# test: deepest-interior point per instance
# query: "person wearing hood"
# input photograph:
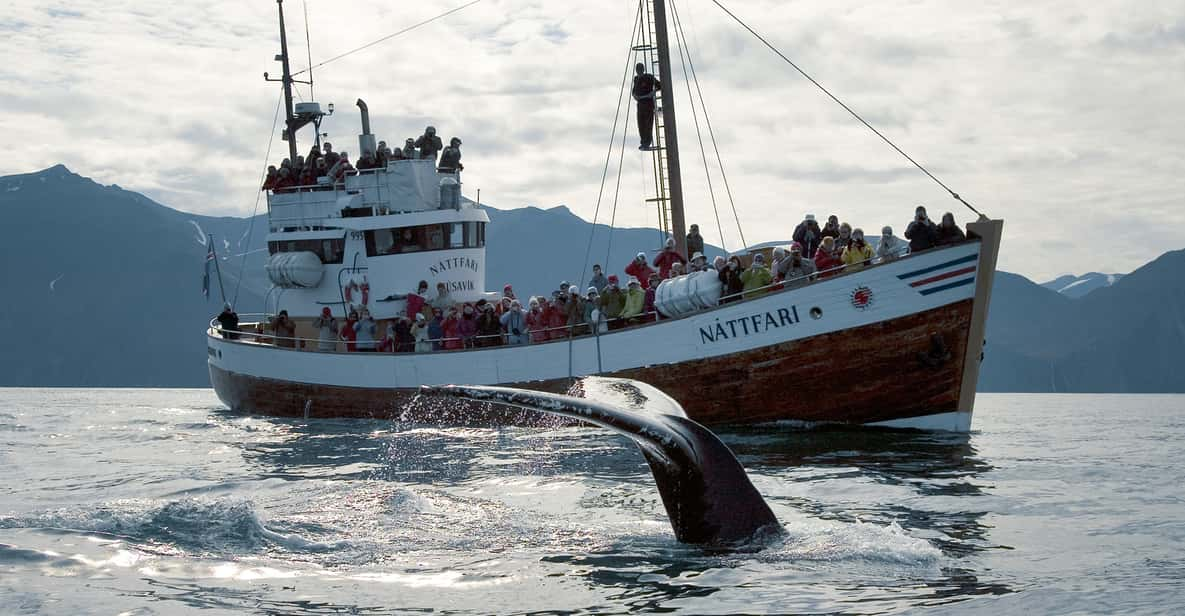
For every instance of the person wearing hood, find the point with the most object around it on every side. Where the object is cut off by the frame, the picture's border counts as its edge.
(921, 232)
(757, 278)
(450, 158)
(451, 330)
(796, 269)
(949, 231)
(273, 175)
(598, 280)
(776, 263)
(489, 328)
(831, 229)
(695, 241)
(665, 260)
(809, 235)
(468, 325)
(514, 321)
(409, 149)
(827, 261)
(612, 303)
(536, 321)
(429, 144)
(418, 332)
(644, 91)
(389, 342)
(635, 301)
(436, 330)
(228, 322)
(719, 264)
(557, 316)
(730, 280)
(326, 327)
(638, 268)
(890, 247)
(365, 330)
(591, 306)
(858, 253)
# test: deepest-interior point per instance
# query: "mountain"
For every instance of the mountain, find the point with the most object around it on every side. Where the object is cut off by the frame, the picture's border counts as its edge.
(108, 294)
(102, 285)
(1126, 337)
(1079, 286)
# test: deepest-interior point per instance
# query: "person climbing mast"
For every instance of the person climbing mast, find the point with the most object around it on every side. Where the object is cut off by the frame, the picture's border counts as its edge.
(645, 88)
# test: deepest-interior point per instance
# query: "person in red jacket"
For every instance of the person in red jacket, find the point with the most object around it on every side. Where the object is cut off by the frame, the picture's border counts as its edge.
(640, 270)
(537, 322)
(557, 317)
(452, 330)
(665, 259)
(826, 258)
(348, 334)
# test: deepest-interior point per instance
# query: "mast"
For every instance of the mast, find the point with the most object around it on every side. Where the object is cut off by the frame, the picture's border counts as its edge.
(289, 119)
(678, 224)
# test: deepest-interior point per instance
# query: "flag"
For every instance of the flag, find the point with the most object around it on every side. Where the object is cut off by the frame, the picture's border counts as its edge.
(206, 276)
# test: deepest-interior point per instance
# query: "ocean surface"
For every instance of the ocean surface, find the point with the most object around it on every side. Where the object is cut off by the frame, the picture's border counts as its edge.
(163, 502)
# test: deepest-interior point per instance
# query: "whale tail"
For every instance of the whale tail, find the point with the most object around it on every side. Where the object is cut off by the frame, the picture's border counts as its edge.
(705, 490)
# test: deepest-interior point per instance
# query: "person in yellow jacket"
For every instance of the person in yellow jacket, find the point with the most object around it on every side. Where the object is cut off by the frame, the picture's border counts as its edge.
(635, 300)
(757, 278)
(858, 254)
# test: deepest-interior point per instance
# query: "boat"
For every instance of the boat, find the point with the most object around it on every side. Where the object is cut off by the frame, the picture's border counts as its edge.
(894, 344)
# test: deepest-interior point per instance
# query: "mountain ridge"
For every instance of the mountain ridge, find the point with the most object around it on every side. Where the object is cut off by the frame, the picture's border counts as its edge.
(108, 282)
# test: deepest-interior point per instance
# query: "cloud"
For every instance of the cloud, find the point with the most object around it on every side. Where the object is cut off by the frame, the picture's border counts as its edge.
(1061, 118)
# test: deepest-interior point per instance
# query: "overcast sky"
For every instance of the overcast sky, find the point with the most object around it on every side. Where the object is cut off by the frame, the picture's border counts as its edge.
(1063, 118)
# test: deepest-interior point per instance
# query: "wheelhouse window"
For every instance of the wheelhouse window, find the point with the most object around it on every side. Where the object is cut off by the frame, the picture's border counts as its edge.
(330, 250)
(402, 240)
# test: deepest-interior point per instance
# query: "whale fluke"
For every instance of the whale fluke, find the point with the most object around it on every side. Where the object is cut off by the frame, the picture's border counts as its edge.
(708, 497)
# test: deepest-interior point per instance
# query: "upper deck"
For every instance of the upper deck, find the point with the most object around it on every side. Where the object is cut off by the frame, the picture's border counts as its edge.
(402, 186)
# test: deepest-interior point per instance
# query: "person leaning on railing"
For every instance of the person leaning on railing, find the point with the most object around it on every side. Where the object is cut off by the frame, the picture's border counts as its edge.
(858, 254)
(284, 330)
(731, 284)
(612, 303)
(327, 328)
(514, 321)
(228, 321)
(755, 279)
(827, 260)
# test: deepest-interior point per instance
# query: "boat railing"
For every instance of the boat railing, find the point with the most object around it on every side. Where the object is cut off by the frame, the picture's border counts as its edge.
(256, 333)
(538, 336)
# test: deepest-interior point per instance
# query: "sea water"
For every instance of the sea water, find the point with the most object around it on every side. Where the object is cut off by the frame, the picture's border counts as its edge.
(163, 502)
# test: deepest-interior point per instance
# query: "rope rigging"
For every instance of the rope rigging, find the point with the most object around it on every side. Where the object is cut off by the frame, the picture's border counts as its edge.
(386, 38)
(708, 121)
(846, 108)
(684, 55)
(263, 176)
(609, 155)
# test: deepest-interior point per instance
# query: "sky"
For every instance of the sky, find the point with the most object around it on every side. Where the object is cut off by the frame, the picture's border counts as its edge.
(1061, 117)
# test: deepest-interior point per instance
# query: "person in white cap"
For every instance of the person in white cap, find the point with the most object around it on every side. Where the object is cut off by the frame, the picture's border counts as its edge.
(890, 247)
(809, 235)
(638, 268)
(419, 331)
(665, 259)
(698, 263)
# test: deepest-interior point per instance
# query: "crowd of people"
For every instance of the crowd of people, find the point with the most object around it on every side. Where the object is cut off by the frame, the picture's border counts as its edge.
(306, 172)
(434, 322)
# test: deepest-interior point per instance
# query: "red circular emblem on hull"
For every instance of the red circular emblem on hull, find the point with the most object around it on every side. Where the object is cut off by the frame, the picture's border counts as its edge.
(862, 297)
